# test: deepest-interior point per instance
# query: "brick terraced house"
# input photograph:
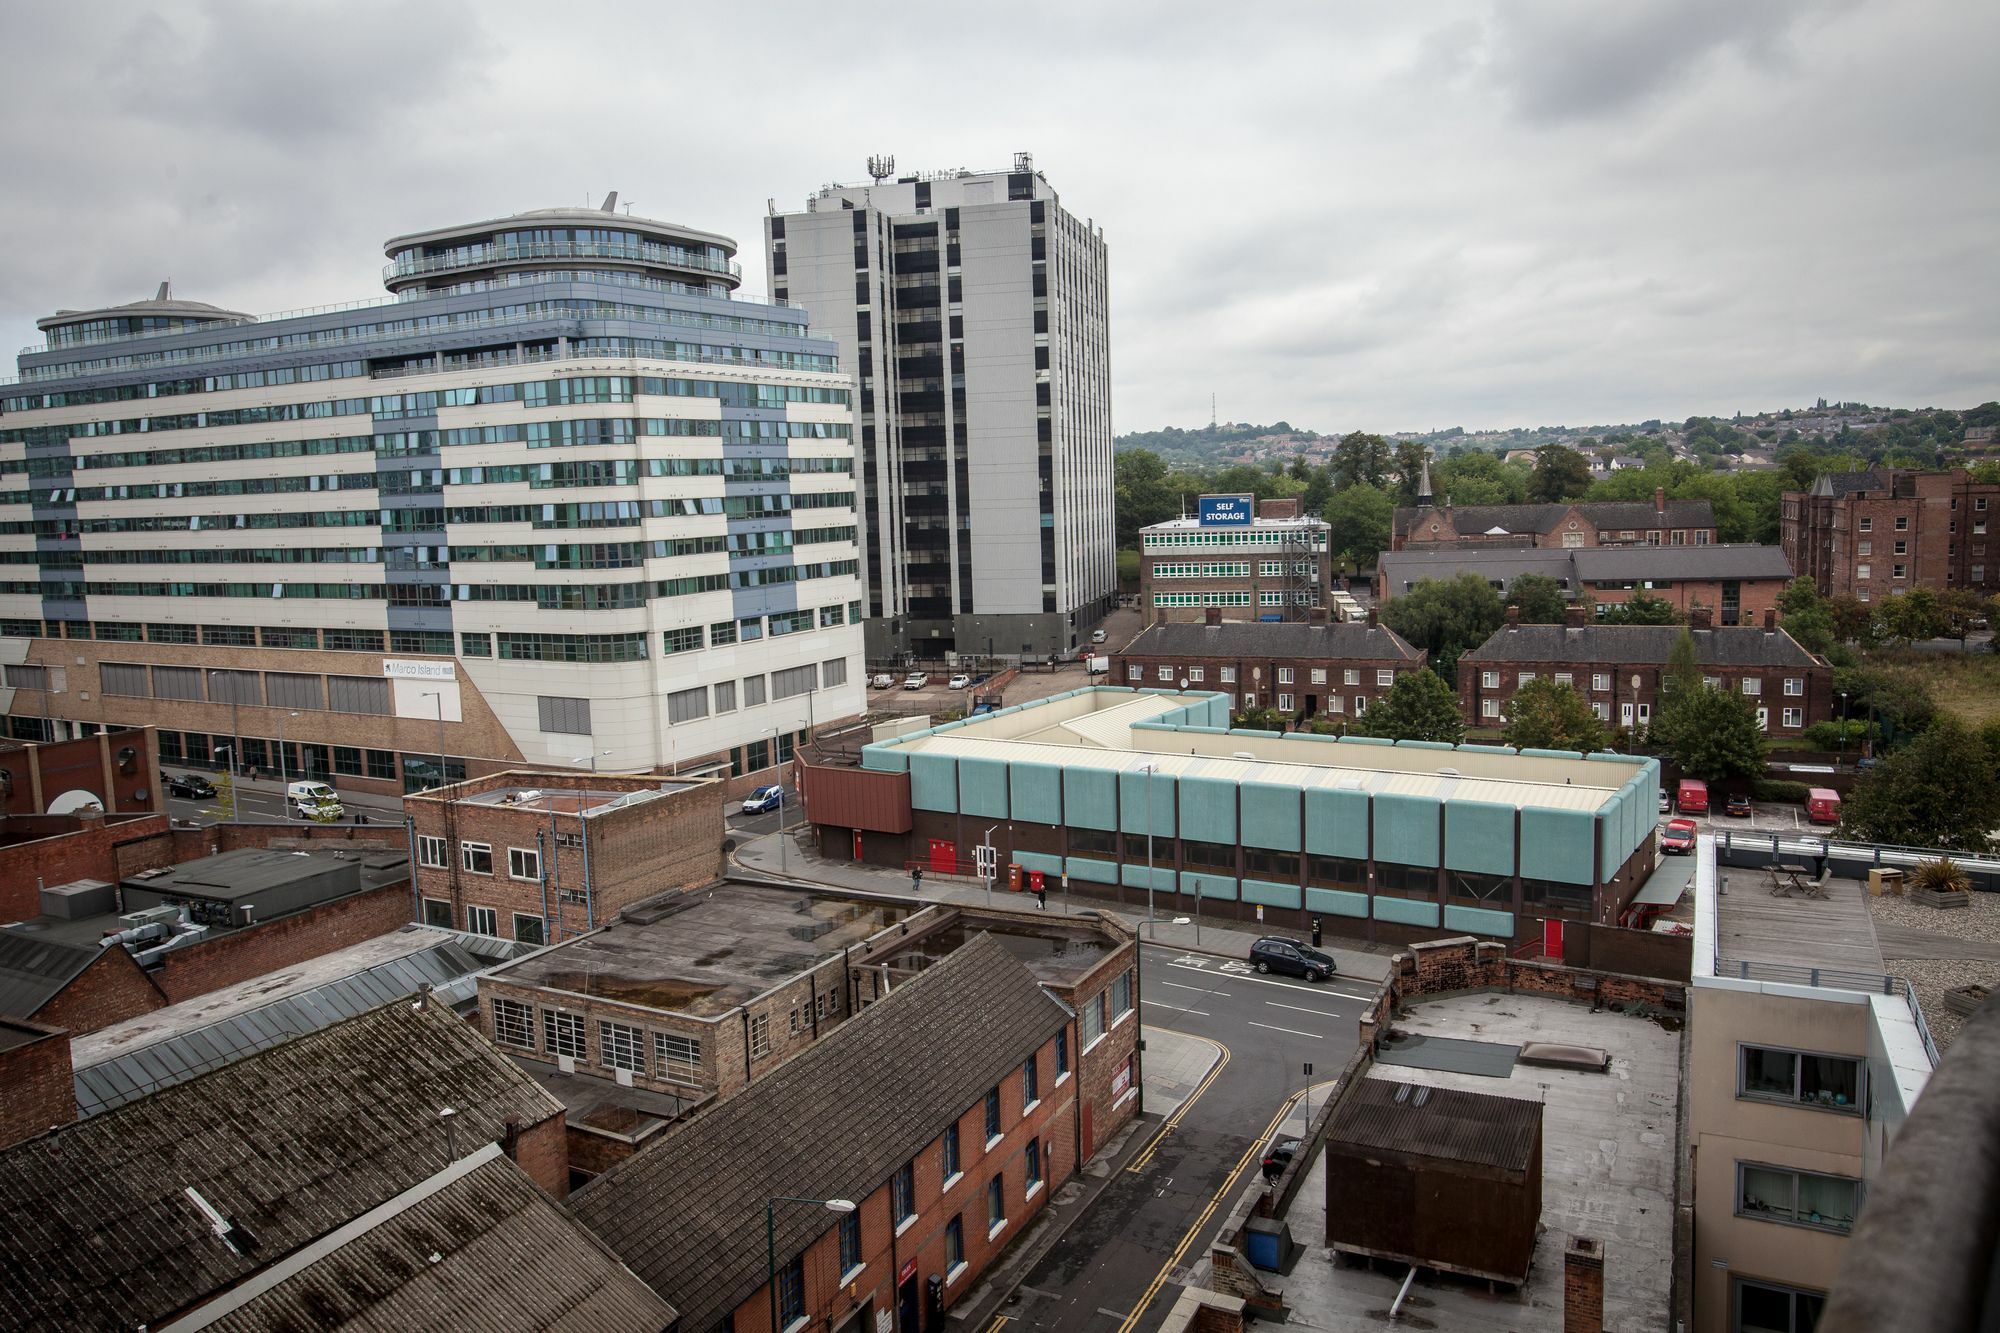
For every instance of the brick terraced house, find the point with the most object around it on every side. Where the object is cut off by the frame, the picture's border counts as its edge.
(1317, 669)
(1663, 522)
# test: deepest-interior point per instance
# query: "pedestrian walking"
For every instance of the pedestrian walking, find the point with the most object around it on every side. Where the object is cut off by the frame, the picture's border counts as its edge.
(1041, 896)
(916, 879)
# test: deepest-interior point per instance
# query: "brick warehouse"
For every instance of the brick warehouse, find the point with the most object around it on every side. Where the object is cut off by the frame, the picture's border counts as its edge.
(1317, 669)
(1664, 522)
(549, 855)
(687, 1001)
(948, 1114)
(1122, 790)
(1869, 534)
(1619, 669)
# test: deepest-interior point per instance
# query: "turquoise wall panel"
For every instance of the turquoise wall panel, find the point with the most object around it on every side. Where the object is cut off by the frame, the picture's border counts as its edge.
(1209, 886)
(1406, 829)
(1556, 845)
(1095, 872)
(1480, 921)
(1050, 866)
(1364, 740)
(1146, 798)
(1423, 745)
(982, 788)
(1136, 876)
(1406, 911)
(1479, 837)
(885, 758)
(1269, 894)
(1337, 902)
(1208, 809)
(1611, 825)
(1090, 798)
(933, 782)
(1551, 754)
(1036, 791)
(1488, 749)
(1271, 816)
(1337, 822)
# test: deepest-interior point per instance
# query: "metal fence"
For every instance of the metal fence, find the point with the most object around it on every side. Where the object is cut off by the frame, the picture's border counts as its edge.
(1847, 860)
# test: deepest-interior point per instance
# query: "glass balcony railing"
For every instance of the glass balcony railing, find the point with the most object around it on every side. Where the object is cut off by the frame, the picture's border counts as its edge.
(479, 256)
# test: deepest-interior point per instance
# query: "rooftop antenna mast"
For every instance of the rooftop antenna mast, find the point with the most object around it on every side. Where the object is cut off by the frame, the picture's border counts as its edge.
(882, 166)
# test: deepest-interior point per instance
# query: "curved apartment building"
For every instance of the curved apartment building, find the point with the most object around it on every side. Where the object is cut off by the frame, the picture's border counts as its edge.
(560, 499)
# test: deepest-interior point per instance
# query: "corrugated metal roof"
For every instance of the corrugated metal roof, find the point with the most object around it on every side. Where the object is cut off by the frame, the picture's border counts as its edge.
(174, 1059)
(33, 971)
(1420, 1120)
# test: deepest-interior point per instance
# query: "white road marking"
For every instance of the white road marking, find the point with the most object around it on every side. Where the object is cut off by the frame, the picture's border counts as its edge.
(1181, 985)
(1323, 1013)
(1294, 1031)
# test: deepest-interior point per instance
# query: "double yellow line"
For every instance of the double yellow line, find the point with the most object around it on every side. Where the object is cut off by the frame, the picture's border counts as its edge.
(1138, 1163)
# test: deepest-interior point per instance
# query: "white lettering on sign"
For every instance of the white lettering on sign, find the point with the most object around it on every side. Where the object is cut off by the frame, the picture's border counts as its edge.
(404, 668)
(884, 1321)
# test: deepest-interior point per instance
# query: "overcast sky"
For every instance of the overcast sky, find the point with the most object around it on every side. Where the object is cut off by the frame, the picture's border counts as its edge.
(1350, 216)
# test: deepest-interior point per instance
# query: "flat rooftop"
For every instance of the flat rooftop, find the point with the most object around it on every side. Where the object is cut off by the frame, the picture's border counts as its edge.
(708, 952)
(250, 871)
(1054, 952)
(1753, 926)
(573, 800)
(1121, 730)
(1608, 1144)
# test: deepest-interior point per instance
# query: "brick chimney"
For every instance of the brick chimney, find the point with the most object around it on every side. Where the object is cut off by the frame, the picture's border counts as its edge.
(1770, 621)
(35, 1070)
(1513, 617)
(1278, 508)
(1316, 615)
(1373, 616)
(1660, 500)
(1576, 615)
(1583, 1286)
(1159, 616)
(1701, 617)
(1211, 615)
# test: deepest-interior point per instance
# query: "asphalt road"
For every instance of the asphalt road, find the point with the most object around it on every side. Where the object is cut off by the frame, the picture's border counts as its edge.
(1118, 1268)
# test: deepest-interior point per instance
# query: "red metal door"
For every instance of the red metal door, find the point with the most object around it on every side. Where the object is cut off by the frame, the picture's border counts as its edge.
(944, 856)
(1552, 939)
(857, 844)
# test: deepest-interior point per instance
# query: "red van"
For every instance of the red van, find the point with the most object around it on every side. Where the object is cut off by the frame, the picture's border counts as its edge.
(1692, 798)
(1823, 805)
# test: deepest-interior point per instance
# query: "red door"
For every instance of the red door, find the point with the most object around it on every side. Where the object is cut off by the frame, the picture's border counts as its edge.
(857, 844)
(944, 856)
(1089, 1140)
(1552, 939)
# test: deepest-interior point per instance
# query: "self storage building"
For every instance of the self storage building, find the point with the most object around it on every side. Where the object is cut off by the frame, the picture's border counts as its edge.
(1122, 790)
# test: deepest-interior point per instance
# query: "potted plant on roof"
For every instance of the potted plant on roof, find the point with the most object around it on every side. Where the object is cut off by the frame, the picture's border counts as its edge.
(1941, 883)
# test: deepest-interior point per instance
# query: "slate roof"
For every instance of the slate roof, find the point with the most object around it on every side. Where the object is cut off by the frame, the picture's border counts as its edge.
(1641, 645)
(1416, 1120)
(1402, 570)
(1273, 639)
(1840, 484)
(506, 1258)
(96, 1230)
(34, 971)
(833, 1122)
(1473, 520)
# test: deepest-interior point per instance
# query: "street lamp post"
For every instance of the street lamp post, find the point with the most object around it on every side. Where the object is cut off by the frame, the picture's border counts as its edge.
(1840, 746)
(284, 767)
(439, 696)
(235, 730)
(842, 1206)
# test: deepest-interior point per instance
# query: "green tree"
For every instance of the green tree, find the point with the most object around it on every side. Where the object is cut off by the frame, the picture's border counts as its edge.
(1358, 520)
(1897, 702)
(1260, 719)
(1641, 608)
(1418, 707)
(1906, 617)
(1361, 458)
(1806, 616)
(1539, 597)
(1545, 715)
(1561, 473)
(1477, 477)
(1853, 619)
(1958, 609)
(1142, 493)
(1939, 791)
(1711, 734)
(1446, 617)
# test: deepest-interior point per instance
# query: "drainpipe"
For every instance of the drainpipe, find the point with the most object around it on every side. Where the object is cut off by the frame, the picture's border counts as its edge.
(410, 836)
(555, 874)
(746, 1043)
(589, 907)
(542, 860)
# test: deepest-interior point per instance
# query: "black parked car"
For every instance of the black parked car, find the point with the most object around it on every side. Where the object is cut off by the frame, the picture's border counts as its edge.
(1274, 953)
(187, 785)
(1279, 1156)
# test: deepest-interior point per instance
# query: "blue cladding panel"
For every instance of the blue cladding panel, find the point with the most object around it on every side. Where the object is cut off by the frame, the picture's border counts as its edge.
(1209, 886)
(1551, 754)
(933, 782)
(1271, 816)
(1135, 876)
(982, 788)
(1612, 819)
(1488, 749)
(1364, 740)
(1406, 829)
(1555, 845)
(1424, 745)
(1036, 790)
(1269, 894)
(1144, 797)
(1480, 921)
(1406, 911)
(1338, 902)
(1050, 866)
(1337, 823)
(1095, 872)
(1208, 809)
(885, 758)
(1090, 798)
(1479, 837)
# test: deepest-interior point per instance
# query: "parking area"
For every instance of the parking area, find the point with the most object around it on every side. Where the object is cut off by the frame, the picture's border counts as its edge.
(1765, 817)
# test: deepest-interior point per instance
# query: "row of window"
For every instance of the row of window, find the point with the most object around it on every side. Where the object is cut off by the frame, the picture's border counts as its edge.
(1791, 718)
(1167, 672)
(693, 704)
(1181, 540)
(1201, 599)
(1227, 569)
(1600, 682)
(243, 379)
(671, 1057)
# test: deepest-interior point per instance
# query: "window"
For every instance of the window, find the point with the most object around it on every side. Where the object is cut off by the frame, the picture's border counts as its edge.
(948, 1149)
(528, 929)
(437, 912)
(1900, 572)
(1034, 1157)
(1489, 680)
(1118, 998)
(1164, 673)
(1489, 708)
(1752, 685)
(1195, 675)
(1765, 1307)
(1902, 522)
(1867, 525)
(1090, 1019)
(678, 1058)
(430, 851)
(992, 1114)
(524, 863)
(1600, 680)
(1284, 675)
(564, 717)
(687, 639)
(1133, 671)
(475, 645)
(687, 705)
(996, 1204)
(1285, 703)
(1385, 676)
(1861, 571)
(1319, 675)
(476, 857)
(954, 1248)
(792, 682)
(1351, 676)
(725, 696)
(1526, 677)
(1228, 676)
(760, 1035)
(850, 1244)
(832, 673)
(1800, 1198)
(1794, 687)
(1031, 1088)
(1602, 710)
(621, 1046)
(562, 1034)
(1062, 1055)
(1903, 547)
(1565, 678)
(482, 920)
(1795, 717)
(792, 1293)
(903, 1194)
(514, 1023)
(1868, 548)
(1824, 1082)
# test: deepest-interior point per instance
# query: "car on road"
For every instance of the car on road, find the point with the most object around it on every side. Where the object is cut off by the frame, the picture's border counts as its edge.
(1678, 837)
(1279, 1156)
(763, 799)
(1274, 953)
(960, 682)
(313, 800)
(883, 680)
(189, 786)
(1737, 806)
(1097, 636)
(916, 680)
(1666, 803)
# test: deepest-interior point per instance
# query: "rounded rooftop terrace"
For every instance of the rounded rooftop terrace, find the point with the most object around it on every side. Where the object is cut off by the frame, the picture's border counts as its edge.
(136, 319)
(561, 240)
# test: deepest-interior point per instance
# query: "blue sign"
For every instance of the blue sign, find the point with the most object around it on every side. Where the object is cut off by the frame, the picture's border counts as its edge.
(1227, 511)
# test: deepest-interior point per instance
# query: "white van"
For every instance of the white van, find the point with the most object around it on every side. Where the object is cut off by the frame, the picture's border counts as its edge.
(312, 800)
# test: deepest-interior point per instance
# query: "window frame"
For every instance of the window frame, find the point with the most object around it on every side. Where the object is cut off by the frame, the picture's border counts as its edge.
(533, 857)
(433, 852)
(1797, 1099)
(1789, 1216)
(476, 914)
(510, 1015)
(469, 852)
